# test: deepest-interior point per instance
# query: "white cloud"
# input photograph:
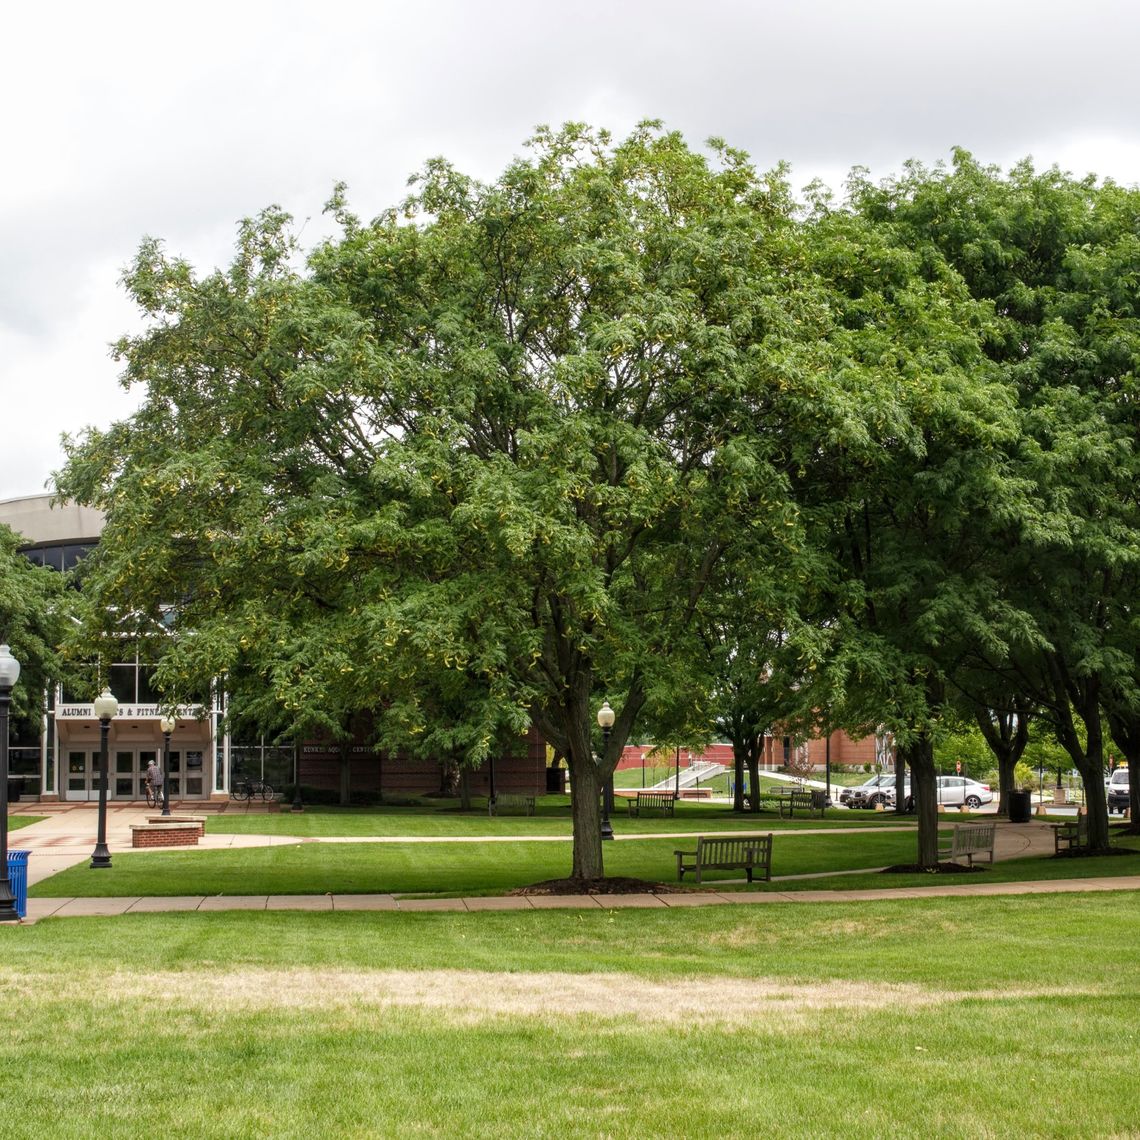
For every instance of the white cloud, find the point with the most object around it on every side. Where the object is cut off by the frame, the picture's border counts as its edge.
(128, 118)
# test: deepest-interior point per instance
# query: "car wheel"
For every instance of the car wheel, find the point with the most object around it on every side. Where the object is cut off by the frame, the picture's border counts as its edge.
(875, 800)
(973, 802)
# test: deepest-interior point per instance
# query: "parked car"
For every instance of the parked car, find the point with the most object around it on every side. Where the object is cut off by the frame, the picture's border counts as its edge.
(848, 796)
(1118, 790)
(877, 790)
(958, 790)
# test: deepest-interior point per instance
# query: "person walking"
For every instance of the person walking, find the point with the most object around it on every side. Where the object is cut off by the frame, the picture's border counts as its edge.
(154, 782)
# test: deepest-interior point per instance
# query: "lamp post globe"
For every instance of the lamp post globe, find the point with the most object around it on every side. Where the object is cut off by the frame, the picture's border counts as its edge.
(605, 723)
(167, 726)
(106, 708)
(9, 675)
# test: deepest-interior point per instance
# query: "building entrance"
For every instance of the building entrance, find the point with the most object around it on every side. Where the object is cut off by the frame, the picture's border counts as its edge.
(82, 775)
(126, 776)
(128, 773)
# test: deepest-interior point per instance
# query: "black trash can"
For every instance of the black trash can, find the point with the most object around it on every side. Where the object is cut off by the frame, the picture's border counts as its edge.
(1020, 807)
(556, 780)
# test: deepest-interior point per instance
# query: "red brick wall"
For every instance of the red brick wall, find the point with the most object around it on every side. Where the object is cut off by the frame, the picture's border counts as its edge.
(393, 774)
(166, 836)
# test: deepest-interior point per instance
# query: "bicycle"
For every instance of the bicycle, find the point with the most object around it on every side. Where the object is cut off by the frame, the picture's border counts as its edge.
(153, 795)
(247, 789)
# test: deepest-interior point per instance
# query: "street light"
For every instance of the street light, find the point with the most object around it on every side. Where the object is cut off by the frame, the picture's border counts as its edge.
(9, 675)
(106, 707)
(167, 726)
(605, 723)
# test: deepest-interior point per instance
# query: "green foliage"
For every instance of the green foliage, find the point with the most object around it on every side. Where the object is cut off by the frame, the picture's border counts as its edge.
(34, 606)
(622, 424)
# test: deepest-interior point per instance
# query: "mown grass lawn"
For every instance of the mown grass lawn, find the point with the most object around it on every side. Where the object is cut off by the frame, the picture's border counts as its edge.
(439, 867)
(552, 818)
(15, 822)
(951, 1017)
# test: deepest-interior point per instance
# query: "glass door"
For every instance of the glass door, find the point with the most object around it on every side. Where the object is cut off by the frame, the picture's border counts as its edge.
(82, 775)
(128, 773)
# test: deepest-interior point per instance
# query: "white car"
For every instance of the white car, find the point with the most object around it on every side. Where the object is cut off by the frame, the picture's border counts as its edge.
(1117, 787)
(958, 790)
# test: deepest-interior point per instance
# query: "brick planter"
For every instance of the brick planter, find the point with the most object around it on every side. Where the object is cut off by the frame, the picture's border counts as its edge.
(198, 821)
(165, 834)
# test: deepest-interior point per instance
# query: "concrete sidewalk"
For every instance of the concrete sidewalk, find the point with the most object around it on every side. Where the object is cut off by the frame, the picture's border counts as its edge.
(78, 907)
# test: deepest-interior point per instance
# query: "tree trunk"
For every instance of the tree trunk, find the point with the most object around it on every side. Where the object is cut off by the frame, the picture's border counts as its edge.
(571, 726)
(1007, 734)
(465, 788)
(739, 748)
(1083, 696)
(755, 746)
(587, 778)
(919, 757)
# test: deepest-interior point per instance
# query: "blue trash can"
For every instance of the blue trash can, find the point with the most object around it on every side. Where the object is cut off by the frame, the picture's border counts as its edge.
(18, 879)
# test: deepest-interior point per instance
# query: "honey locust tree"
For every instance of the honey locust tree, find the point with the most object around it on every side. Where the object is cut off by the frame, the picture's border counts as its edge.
(901, 501)
(490, 446)
(1057, 260)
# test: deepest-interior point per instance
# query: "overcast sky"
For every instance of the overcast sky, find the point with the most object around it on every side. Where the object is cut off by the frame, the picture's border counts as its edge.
(124, 119)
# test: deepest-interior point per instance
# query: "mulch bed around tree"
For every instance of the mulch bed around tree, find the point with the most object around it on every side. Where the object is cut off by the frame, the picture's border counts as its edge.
(613, 886)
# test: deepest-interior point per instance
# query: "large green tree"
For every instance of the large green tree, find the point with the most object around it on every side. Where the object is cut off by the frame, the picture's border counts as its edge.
(1057, 260)
(504, 434)
(917, 427)
(34, 605)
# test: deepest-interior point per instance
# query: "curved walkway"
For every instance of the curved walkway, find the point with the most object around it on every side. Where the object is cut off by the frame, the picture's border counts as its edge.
(67, 836)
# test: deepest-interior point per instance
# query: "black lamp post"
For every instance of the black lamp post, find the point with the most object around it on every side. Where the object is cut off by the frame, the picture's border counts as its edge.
(9, 675)
(167, 726)
(105, 709)
(605, 723)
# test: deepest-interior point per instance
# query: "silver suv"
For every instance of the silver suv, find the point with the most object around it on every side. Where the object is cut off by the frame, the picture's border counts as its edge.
(878, 790)
(1117, 788)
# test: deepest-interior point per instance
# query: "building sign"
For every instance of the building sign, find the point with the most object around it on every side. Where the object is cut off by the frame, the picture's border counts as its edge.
(333, 751)
(127, 712)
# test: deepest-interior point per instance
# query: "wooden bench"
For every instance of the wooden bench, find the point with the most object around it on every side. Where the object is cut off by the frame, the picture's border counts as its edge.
(746, 852)
(525, 804)
(969, 839)
(805, 799)
(1073, 833)
(662, 800)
